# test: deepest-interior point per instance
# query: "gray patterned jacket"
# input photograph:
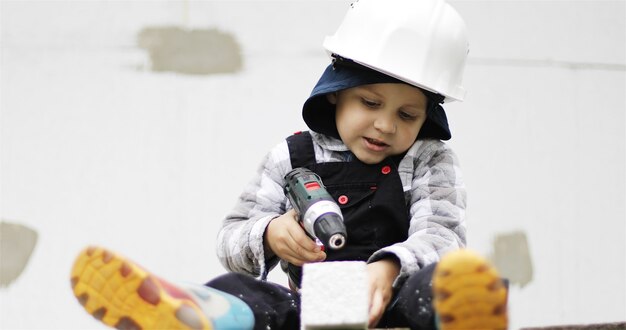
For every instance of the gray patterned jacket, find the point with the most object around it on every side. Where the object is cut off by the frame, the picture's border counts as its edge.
(434, 193)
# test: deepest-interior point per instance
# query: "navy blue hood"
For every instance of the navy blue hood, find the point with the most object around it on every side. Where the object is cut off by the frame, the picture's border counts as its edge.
(319, 114)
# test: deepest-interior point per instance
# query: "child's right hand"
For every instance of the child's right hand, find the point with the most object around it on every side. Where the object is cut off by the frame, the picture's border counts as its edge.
(288, 240)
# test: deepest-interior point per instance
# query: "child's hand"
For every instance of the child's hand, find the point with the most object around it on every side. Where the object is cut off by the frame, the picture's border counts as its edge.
(381, 275)
(288, 240)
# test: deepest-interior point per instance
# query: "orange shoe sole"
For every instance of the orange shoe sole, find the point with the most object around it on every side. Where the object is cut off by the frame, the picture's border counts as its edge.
(123, 295)
(469, 293)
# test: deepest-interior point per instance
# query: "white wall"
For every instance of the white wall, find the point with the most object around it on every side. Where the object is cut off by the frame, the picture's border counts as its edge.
(541, 137)
(95, 149)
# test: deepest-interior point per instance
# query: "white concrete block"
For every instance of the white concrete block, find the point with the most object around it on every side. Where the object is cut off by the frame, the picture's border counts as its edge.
(334, 295)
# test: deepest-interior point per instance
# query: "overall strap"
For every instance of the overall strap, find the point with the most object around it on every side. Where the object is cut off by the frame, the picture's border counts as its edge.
(301, 151)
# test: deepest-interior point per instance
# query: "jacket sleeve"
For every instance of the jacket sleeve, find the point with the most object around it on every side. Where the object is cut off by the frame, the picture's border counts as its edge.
(240, 240)
(437, 201)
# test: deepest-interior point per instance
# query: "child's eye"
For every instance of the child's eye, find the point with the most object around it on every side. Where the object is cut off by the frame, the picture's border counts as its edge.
(407, 116)
(369, 103)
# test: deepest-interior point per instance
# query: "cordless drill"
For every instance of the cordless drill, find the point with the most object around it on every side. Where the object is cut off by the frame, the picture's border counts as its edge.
(317, 211)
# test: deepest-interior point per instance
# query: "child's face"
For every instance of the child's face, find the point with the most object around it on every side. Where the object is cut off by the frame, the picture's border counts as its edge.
(379, 120)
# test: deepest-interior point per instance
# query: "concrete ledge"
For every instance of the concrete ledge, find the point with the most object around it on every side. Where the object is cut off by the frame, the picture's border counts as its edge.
(599, 326)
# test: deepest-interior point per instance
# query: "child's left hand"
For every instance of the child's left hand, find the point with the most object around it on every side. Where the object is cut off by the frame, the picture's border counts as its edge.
(381, 275)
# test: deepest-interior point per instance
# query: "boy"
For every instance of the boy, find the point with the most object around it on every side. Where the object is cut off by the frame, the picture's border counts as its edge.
(376, 126)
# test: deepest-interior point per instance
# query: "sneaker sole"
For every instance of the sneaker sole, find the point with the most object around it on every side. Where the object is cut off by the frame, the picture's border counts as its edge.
(469, 293)
(119, 293)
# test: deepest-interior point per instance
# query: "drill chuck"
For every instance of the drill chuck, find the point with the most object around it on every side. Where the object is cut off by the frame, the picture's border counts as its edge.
(327, 224)
(337, 241)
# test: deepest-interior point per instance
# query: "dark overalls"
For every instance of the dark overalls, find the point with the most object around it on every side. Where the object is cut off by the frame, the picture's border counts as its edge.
(375, 213)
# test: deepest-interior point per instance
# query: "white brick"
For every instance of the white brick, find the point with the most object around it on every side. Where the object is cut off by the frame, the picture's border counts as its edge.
(334, 295)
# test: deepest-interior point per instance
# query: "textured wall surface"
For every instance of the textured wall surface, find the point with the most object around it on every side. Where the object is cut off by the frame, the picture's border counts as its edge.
(98, 149)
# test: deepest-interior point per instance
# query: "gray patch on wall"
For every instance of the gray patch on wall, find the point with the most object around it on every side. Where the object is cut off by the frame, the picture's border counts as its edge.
(196, 51)
(511, 257)
(17, 243)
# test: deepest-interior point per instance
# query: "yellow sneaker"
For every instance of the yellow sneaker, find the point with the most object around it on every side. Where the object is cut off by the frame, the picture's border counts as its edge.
(121, 294)
(469, 293)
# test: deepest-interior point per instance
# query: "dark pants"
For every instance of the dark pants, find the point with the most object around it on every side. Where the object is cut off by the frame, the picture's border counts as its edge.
(276, 307)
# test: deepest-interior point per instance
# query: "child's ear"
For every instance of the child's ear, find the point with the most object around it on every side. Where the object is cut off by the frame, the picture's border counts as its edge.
(332, 98)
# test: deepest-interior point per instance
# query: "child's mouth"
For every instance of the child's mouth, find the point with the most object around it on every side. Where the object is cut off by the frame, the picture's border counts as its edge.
(375, 145)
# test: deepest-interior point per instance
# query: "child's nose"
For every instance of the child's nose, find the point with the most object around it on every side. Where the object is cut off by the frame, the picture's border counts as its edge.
(385, 125)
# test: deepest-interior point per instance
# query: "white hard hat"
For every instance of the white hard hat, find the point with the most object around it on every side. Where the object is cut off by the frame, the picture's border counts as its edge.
(421, 42)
